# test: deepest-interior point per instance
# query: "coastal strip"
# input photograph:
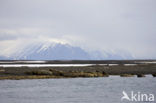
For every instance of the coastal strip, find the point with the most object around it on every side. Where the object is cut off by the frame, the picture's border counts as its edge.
(129, 70)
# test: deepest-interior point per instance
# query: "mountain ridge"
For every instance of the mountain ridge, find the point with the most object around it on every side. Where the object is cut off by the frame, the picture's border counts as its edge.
(59, 51)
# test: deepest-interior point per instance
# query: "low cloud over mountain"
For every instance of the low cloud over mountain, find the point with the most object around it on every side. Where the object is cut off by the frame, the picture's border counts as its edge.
(58, 51)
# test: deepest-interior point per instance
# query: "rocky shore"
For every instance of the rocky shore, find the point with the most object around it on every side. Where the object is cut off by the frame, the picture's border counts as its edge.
(140, 70)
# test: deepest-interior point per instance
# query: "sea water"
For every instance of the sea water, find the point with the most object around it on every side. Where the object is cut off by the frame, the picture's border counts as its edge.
(75, 90)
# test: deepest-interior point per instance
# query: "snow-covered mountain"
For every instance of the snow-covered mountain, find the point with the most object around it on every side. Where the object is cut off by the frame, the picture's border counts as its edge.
(58, 51)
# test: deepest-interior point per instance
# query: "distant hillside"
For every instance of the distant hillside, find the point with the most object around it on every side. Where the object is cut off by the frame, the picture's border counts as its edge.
(57, 51)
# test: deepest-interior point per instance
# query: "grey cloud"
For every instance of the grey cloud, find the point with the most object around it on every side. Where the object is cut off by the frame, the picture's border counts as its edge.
(101, 24)
(7, 37)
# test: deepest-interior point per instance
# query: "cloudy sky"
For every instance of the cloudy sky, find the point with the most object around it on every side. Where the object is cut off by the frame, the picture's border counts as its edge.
(103, 25)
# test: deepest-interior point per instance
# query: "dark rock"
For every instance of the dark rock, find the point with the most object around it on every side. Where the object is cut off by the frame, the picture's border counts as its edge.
(39, 72)
(154, 75)
(140, 75)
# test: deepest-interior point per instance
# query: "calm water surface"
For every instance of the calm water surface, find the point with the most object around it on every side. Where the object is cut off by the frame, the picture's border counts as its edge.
(74, 90)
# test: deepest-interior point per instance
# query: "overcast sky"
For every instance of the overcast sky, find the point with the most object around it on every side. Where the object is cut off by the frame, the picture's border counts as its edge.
(103, 25)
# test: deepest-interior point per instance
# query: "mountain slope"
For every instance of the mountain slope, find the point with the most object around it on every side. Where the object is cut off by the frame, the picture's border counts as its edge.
(58, 51)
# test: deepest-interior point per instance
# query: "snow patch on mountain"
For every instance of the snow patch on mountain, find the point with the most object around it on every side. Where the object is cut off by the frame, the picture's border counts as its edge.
(59, 51)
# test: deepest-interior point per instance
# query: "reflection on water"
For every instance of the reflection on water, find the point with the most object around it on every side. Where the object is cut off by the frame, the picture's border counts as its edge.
(73, 90)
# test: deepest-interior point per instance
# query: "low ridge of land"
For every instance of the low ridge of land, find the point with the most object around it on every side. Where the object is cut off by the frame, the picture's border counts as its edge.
(127, 68)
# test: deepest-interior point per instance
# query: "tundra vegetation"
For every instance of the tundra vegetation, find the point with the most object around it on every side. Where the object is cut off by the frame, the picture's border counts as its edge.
(139, 70)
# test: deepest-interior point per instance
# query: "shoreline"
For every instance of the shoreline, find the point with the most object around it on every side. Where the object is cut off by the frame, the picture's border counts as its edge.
(59, 77)
(140, 70)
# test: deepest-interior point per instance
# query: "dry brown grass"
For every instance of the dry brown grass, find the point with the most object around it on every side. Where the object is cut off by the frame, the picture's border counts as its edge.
(28, 77)
(127, 75)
